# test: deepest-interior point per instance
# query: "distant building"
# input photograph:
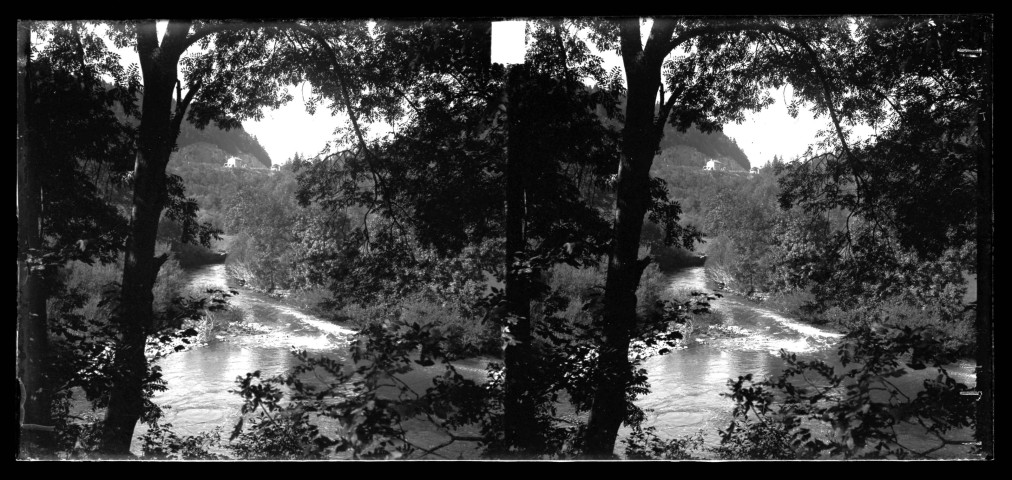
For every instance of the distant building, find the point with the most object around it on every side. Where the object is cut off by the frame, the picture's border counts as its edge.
(715, 165)
(244, 160)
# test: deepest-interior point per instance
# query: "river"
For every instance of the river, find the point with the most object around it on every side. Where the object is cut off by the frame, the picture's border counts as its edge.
(686, 384)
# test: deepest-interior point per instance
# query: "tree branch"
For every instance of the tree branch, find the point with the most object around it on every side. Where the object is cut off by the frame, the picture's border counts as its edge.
(662, 117)
(209, 29)
(181, 106)
(346, 98)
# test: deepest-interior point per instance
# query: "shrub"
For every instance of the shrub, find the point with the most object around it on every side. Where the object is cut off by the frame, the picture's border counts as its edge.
(644, 444)
(673, 258)
(161, 443)
(464, 336)
(190, 255)
(91, 281)
(579, 285)
(854, 410)
(170, 281)
(313, 299)
(958, 333)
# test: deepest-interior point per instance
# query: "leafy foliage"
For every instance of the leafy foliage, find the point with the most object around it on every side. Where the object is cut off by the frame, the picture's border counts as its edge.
(82, 363)
(82, 146)
(361, 405)
(814, 410)
(161, 443)
(415, 218)
(326, 407)
(761, 246)
(644, 444)
(911, 188)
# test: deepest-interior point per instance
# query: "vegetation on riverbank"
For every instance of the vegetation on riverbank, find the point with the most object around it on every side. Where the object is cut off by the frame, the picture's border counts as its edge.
(802, 264)
(507, 207)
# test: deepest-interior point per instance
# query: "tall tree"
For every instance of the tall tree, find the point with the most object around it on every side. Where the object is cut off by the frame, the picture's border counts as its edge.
(32, 331)
(722, 68)
(226, 83)
(79, 149)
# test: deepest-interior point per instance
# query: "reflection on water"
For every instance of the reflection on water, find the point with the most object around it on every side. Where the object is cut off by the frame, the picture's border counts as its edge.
(199, 380)
(198, 397)
(686, 384)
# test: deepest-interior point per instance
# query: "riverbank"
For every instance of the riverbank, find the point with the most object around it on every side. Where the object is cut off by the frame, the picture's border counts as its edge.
(686, 384)
(953, 323)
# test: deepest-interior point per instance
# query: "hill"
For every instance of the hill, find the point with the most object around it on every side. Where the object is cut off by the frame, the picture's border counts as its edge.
(693, 148)
(213, 145)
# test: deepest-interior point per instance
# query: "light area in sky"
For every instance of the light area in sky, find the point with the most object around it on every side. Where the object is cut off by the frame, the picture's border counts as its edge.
(762, 135)
(160, 29)
(772, 131)
(290, 129)
(508, 42)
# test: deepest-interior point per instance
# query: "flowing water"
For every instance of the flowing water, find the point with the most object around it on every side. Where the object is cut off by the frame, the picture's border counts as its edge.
(198, 397)
(686, 384)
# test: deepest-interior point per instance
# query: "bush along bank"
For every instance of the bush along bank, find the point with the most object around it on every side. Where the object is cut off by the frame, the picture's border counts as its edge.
(192, 256)
(949, 318)
(673, 258)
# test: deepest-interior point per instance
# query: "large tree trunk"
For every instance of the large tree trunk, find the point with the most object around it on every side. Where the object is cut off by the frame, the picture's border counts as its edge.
(135, 316)
(32, 334)
(985, 232)
(639, 143)
(520, 426)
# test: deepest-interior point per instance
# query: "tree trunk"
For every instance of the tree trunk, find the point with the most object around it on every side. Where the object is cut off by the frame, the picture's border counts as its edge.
(985, 232)
(135, 315)
(32, 332)
(639, 143)
(520, 426)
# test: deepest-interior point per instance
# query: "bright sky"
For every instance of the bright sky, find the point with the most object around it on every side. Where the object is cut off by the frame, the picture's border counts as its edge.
(290, 129)
(773, 132)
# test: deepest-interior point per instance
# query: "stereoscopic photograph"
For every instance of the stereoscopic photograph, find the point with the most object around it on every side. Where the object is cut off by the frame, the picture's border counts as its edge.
(702, 238)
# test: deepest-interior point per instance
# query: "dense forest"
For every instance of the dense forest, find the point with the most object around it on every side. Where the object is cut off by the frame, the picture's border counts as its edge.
(680, 148)
(495, 278)
(214, 139)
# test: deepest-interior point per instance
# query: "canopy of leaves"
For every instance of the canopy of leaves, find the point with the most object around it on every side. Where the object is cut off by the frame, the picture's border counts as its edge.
(82, 147)
(909, 189)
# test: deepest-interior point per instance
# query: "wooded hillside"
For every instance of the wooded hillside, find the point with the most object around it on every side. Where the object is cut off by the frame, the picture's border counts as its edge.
(693, 148)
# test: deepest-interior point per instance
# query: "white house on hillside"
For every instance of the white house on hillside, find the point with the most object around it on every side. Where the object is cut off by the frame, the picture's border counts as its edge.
(715, 165)
(232, 162)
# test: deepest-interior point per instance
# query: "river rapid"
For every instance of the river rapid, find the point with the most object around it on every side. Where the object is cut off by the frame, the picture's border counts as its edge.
(686, 384)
